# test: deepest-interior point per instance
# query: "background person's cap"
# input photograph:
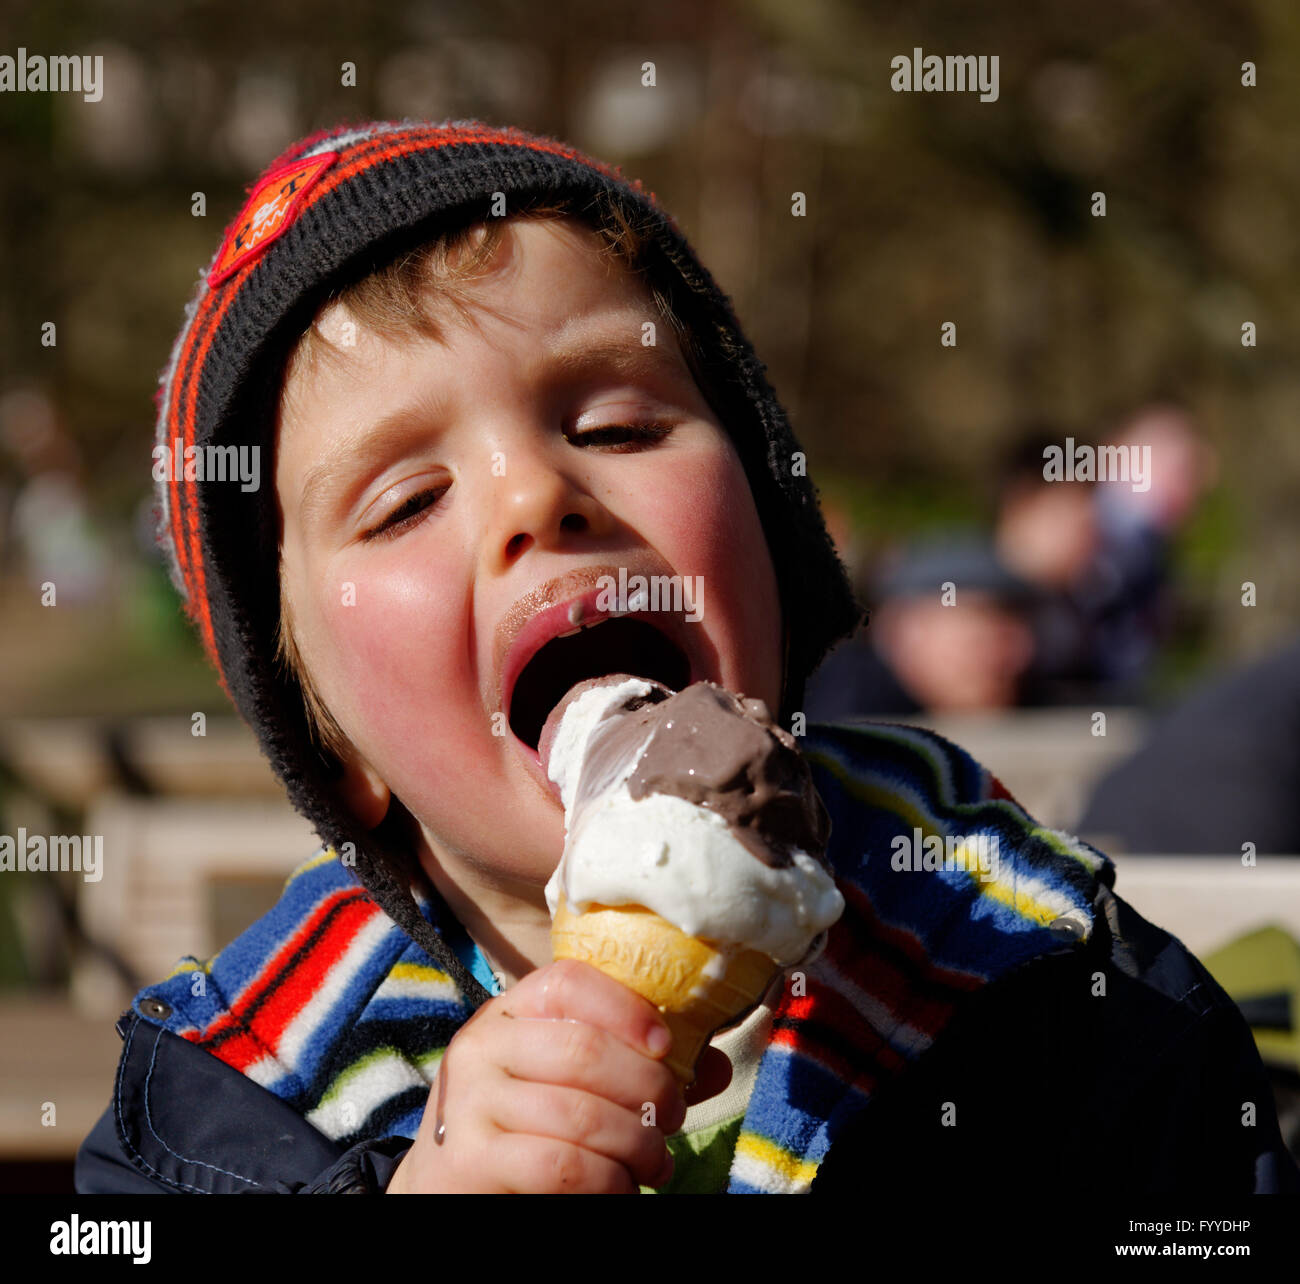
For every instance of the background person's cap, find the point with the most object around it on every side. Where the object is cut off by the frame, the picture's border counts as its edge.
(970, 563)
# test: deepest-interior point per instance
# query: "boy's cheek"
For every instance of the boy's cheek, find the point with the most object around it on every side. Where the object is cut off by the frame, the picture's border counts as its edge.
(391, 654)
(722, 538)
(703, 505)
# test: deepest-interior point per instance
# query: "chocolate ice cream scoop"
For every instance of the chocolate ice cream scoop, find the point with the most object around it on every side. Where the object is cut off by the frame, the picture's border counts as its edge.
(714, 749)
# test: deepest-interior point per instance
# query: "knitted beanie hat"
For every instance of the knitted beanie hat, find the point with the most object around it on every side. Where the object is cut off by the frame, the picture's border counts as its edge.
(333, 207)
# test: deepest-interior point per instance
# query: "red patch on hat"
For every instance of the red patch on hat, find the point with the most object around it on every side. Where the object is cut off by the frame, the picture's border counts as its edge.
(270, 209)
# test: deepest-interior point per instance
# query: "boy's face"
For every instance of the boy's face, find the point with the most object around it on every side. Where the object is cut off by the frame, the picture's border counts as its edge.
(474, 451)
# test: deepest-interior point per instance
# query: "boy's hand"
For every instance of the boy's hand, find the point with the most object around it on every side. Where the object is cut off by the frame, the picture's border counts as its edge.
(547, 1088)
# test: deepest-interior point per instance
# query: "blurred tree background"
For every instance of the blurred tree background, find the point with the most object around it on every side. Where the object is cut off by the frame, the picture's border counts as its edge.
(921, 209)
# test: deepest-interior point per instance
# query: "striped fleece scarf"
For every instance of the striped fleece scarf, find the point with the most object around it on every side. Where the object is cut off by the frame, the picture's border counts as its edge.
(328, 1004)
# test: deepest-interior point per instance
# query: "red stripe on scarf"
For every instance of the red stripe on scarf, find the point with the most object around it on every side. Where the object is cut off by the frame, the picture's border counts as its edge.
(284, 986)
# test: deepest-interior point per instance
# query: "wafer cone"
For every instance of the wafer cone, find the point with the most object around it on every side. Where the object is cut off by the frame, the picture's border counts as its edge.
(697, 986)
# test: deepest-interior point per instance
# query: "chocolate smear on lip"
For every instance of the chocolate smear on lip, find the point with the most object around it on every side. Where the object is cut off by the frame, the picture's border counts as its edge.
(720, 751)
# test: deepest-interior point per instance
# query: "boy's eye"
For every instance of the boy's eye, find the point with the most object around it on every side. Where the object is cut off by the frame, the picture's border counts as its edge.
(407, 514)
(627, 436)
(410, 512)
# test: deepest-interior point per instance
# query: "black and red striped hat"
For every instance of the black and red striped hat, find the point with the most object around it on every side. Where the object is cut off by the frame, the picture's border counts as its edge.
(337, 205)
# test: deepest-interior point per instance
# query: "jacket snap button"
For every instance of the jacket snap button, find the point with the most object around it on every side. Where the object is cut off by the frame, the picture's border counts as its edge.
(1067, 927)
(155, 1008)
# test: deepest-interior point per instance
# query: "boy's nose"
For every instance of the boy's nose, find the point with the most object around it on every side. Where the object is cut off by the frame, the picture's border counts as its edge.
(540, 503)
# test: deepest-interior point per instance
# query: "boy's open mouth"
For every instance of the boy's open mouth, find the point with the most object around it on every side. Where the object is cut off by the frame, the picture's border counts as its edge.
(607, 644)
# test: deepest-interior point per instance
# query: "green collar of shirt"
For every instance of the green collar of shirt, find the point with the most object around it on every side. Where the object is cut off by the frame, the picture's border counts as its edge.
(703, 1149)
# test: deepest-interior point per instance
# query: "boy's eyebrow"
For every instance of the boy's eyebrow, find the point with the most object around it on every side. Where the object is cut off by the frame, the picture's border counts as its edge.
(323, 480)
(619, 356)
(624, 356)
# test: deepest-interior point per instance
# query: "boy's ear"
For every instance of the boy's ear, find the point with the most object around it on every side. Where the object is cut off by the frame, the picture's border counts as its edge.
(364, 793)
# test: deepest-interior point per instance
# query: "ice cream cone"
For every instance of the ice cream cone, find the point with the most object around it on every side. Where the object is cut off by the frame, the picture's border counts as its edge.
(699, 987)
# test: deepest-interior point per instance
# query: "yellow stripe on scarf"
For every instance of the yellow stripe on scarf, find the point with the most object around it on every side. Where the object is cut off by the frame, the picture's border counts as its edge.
(418, 972)
(793, 1171)
(886, 799)
(321, 858)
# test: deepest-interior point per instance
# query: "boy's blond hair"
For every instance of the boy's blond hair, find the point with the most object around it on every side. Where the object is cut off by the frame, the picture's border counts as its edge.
(404, 299)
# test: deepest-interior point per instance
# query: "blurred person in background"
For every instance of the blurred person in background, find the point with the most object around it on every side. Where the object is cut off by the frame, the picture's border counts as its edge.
(49, 529)
(1137, 526)
(950, 633)
(1099, 550)
(1049, 534)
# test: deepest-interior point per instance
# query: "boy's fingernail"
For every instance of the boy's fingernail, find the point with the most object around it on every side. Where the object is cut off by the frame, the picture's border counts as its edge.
(658, 1040)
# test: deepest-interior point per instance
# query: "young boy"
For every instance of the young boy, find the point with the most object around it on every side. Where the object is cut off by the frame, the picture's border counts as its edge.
(490, 372)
